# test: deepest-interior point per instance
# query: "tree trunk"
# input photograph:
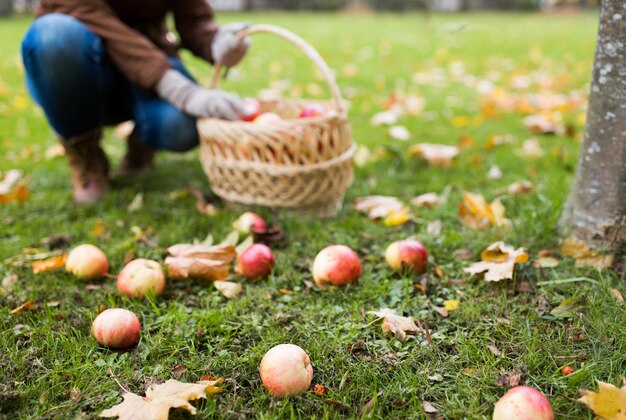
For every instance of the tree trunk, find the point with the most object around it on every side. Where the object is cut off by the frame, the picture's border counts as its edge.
(596, 209)
(6, 7)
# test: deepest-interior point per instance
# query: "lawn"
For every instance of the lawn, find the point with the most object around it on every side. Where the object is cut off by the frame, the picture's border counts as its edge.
(51, 366)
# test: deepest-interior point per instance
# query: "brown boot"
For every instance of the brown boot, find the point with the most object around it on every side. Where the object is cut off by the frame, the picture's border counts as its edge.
(138, 158)
(89, 165)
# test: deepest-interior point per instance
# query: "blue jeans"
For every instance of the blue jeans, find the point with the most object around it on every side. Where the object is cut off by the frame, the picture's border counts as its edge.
(69, 75)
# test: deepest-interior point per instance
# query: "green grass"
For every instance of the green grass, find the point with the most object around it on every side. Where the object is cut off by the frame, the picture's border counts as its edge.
(46, 353)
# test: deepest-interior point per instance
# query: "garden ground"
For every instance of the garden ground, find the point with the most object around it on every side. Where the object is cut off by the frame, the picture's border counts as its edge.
(50, 365)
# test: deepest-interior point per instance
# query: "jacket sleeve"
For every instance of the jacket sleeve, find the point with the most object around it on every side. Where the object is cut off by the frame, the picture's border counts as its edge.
(139, 60)
(195, 25)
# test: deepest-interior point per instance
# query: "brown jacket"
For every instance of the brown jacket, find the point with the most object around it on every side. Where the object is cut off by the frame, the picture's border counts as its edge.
(135, 33)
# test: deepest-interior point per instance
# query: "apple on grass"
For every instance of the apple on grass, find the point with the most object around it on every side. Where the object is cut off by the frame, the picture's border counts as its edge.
(336, 265)
(255, 262)
(116, 328)
(87, 262)
(523, 403)
(407, 256)
(286, 370)
(141, 277)
(249, 222)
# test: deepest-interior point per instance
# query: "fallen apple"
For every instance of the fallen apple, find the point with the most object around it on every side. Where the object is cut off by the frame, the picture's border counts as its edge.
(252, 109)
(523, 403)
(141, 277)
(312, 110)
(87, 262)
(407, 256)
(267, 118)
(116, 328)
(249, 222)
(255, 262)
(286, 370)
(336, 265)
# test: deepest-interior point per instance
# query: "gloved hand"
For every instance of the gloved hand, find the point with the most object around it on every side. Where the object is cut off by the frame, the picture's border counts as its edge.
(228, 49)
(197, 101)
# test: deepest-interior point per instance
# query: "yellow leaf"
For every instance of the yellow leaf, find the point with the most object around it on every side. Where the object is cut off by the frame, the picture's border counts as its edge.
(477, 213)
(99, 229)
(575, 248)
(398, 325)
(13, 187)
(397, 218)
(378, 206)
(498, 260)
(27, 306)
(229, 289)
(609, 403)
(49, 264)
(451, 305)
(160, 399)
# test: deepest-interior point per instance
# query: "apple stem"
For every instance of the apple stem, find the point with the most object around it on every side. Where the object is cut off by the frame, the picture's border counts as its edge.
(118, 382)
(110, 276)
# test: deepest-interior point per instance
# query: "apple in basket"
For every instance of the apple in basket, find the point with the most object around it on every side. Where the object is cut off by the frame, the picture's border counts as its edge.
(312, 110)
(252, 109)
(267, 118)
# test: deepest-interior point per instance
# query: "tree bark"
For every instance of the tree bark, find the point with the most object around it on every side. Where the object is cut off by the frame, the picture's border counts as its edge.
(6, 7)
(596, 209)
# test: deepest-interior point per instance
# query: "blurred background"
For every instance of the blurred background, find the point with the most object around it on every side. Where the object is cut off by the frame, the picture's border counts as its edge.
(8, 7)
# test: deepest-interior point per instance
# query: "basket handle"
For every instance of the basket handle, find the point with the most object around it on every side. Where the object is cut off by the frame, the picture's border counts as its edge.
(303, 46)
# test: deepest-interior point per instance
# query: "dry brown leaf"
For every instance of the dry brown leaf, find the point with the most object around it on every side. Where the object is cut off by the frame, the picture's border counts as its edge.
(508, 379)
(13, 187)
(229, 289)
(518, 188)
(476, 213)
(200, 261)
(428, 408)
(498, 260)
(29, 305)
(572, 247)
(441, 311)
(218, 252)
(435, 154)
(609, 403)
(493, 349)
(428, 200)
(542, 124)
(398, 325)
(49, 264)
(378, 206)
(161, 398)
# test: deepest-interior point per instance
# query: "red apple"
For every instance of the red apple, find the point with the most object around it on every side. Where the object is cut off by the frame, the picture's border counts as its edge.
(407, 256)
(87, 262)
(286, 370)
(141, 277)
(523, 403)
(116, 328)
(312, 110)
(255, 262)
(252, 109)
(249, 222)
(267, 118)
(336, 265)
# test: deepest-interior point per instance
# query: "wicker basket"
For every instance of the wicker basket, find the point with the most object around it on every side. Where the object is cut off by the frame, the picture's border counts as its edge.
(303, 165)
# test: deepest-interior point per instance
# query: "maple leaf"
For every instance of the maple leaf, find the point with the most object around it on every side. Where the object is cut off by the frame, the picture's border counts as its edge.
(398, 325)
(200, 261)
(477, 213)
(229, 289)
(13, 187)
(435, 154)
(378, 206)
(609, 403)
(161, 398)
(575, 248)
(498, 260)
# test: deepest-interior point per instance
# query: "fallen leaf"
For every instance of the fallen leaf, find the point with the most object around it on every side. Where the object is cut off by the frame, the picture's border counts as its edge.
(575, 248)
(476, 213)
(614, 292)
(542, 124)
(518, 188)
(428, 200)
(136, 204)
(428, 408)
(508, 380)
(160, 399)
(200, 261)
(29, 305)
(178, 371)
(532, 149)
(498, 260)
(542, 304)
(564, 310)
(399, 132)
(434, 228)
(49, 264)
(435, 154)
(54, 151)
(546, 262)
(452, 305)
(493, 349)
(494, 172)
(398, 325)
(13, 187)
(9, 281)
(441, 311)
(463, 254)
(609, 403)
(378, 206)
(385, 118)
(99, 229)
(399, 217)
(229, 289)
